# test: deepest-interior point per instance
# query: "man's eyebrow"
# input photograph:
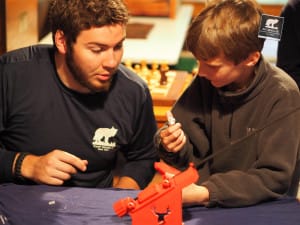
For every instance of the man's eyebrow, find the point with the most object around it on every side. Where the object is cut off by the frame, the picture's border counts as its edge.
(105, 45)
(122, 40)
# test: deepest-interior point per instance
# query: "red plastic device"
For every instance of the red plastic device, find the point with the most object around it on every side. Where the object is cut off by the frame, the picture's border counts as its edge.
(159, 204)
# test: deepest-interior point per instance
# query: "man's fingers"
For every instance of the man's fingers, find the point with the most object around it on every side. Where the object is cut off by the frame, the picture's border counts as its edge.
(75, 161)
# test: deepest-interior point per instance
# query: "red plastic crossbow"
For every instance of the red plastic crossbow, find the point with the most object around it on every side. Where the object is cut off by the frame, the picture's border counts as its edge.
(159, 204)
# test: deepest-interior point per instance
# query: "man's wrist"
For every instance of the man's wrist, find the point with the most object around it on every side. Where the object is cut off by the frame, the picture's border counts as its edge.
(18, 166)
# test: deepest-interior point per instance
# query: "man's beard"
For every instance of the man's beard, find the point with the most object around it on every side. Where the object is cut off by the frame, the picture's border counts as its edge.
(78, 74)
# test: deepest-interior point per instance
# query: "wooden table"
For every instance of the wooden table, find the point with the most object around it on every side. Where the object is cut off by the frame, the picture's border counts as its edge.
(48, 205)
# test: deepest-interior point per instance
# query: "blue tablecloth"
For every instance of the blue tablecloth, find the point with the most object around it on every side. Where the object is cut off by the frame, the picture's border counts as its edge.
(47, 205)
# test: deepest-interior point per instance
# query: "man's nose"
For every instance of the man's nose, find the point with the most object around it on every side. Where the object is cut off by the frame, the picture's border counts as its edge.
(110, 59)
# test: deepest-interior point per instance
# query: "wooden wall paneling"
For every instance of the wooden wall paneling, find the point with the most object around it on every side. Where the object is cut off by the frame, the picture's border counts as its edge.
(160, 8)
(43, 25)
(271, 9)
(21, 23)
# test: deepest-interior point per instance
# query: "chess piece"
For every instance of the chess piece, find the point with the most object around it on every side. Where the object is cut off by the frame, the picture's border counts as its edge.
(128, 64)
(137, 69)
(154, 70)
(145, 72)
(164, 68)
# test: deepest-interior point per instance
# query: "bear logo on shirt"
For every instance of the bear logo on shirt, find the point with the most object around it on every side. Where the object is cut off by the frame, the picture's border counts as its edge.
(103, 138)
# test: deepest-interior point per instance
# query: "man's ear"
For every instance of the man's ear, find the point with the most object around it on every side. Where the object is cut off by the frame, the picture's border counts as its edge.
(253, 58)
(60, 41)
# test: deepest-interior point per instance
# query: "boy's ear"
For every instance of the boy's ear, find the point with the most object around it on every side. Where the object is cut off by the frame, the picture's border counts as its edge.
(253, 58)
(60, 41)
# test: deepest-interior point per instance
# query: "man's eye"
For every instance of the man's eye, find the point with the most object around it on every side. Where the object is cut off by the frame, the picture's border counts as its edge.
(118, 47)
(97, 50)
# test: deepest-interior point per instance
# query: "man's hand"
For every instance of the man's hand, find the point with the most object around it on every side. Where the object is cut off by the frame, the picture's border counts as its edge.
(53, 168)
(173, 138)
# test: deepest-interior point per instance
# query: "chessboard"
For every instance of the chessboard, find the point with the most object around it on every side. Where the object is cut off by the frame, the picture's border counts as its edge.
(165, 85)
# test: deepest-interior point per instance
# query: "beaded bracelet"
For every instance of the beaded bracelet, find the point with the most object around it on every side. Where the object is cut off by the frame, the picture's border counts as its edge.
(18, 165)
